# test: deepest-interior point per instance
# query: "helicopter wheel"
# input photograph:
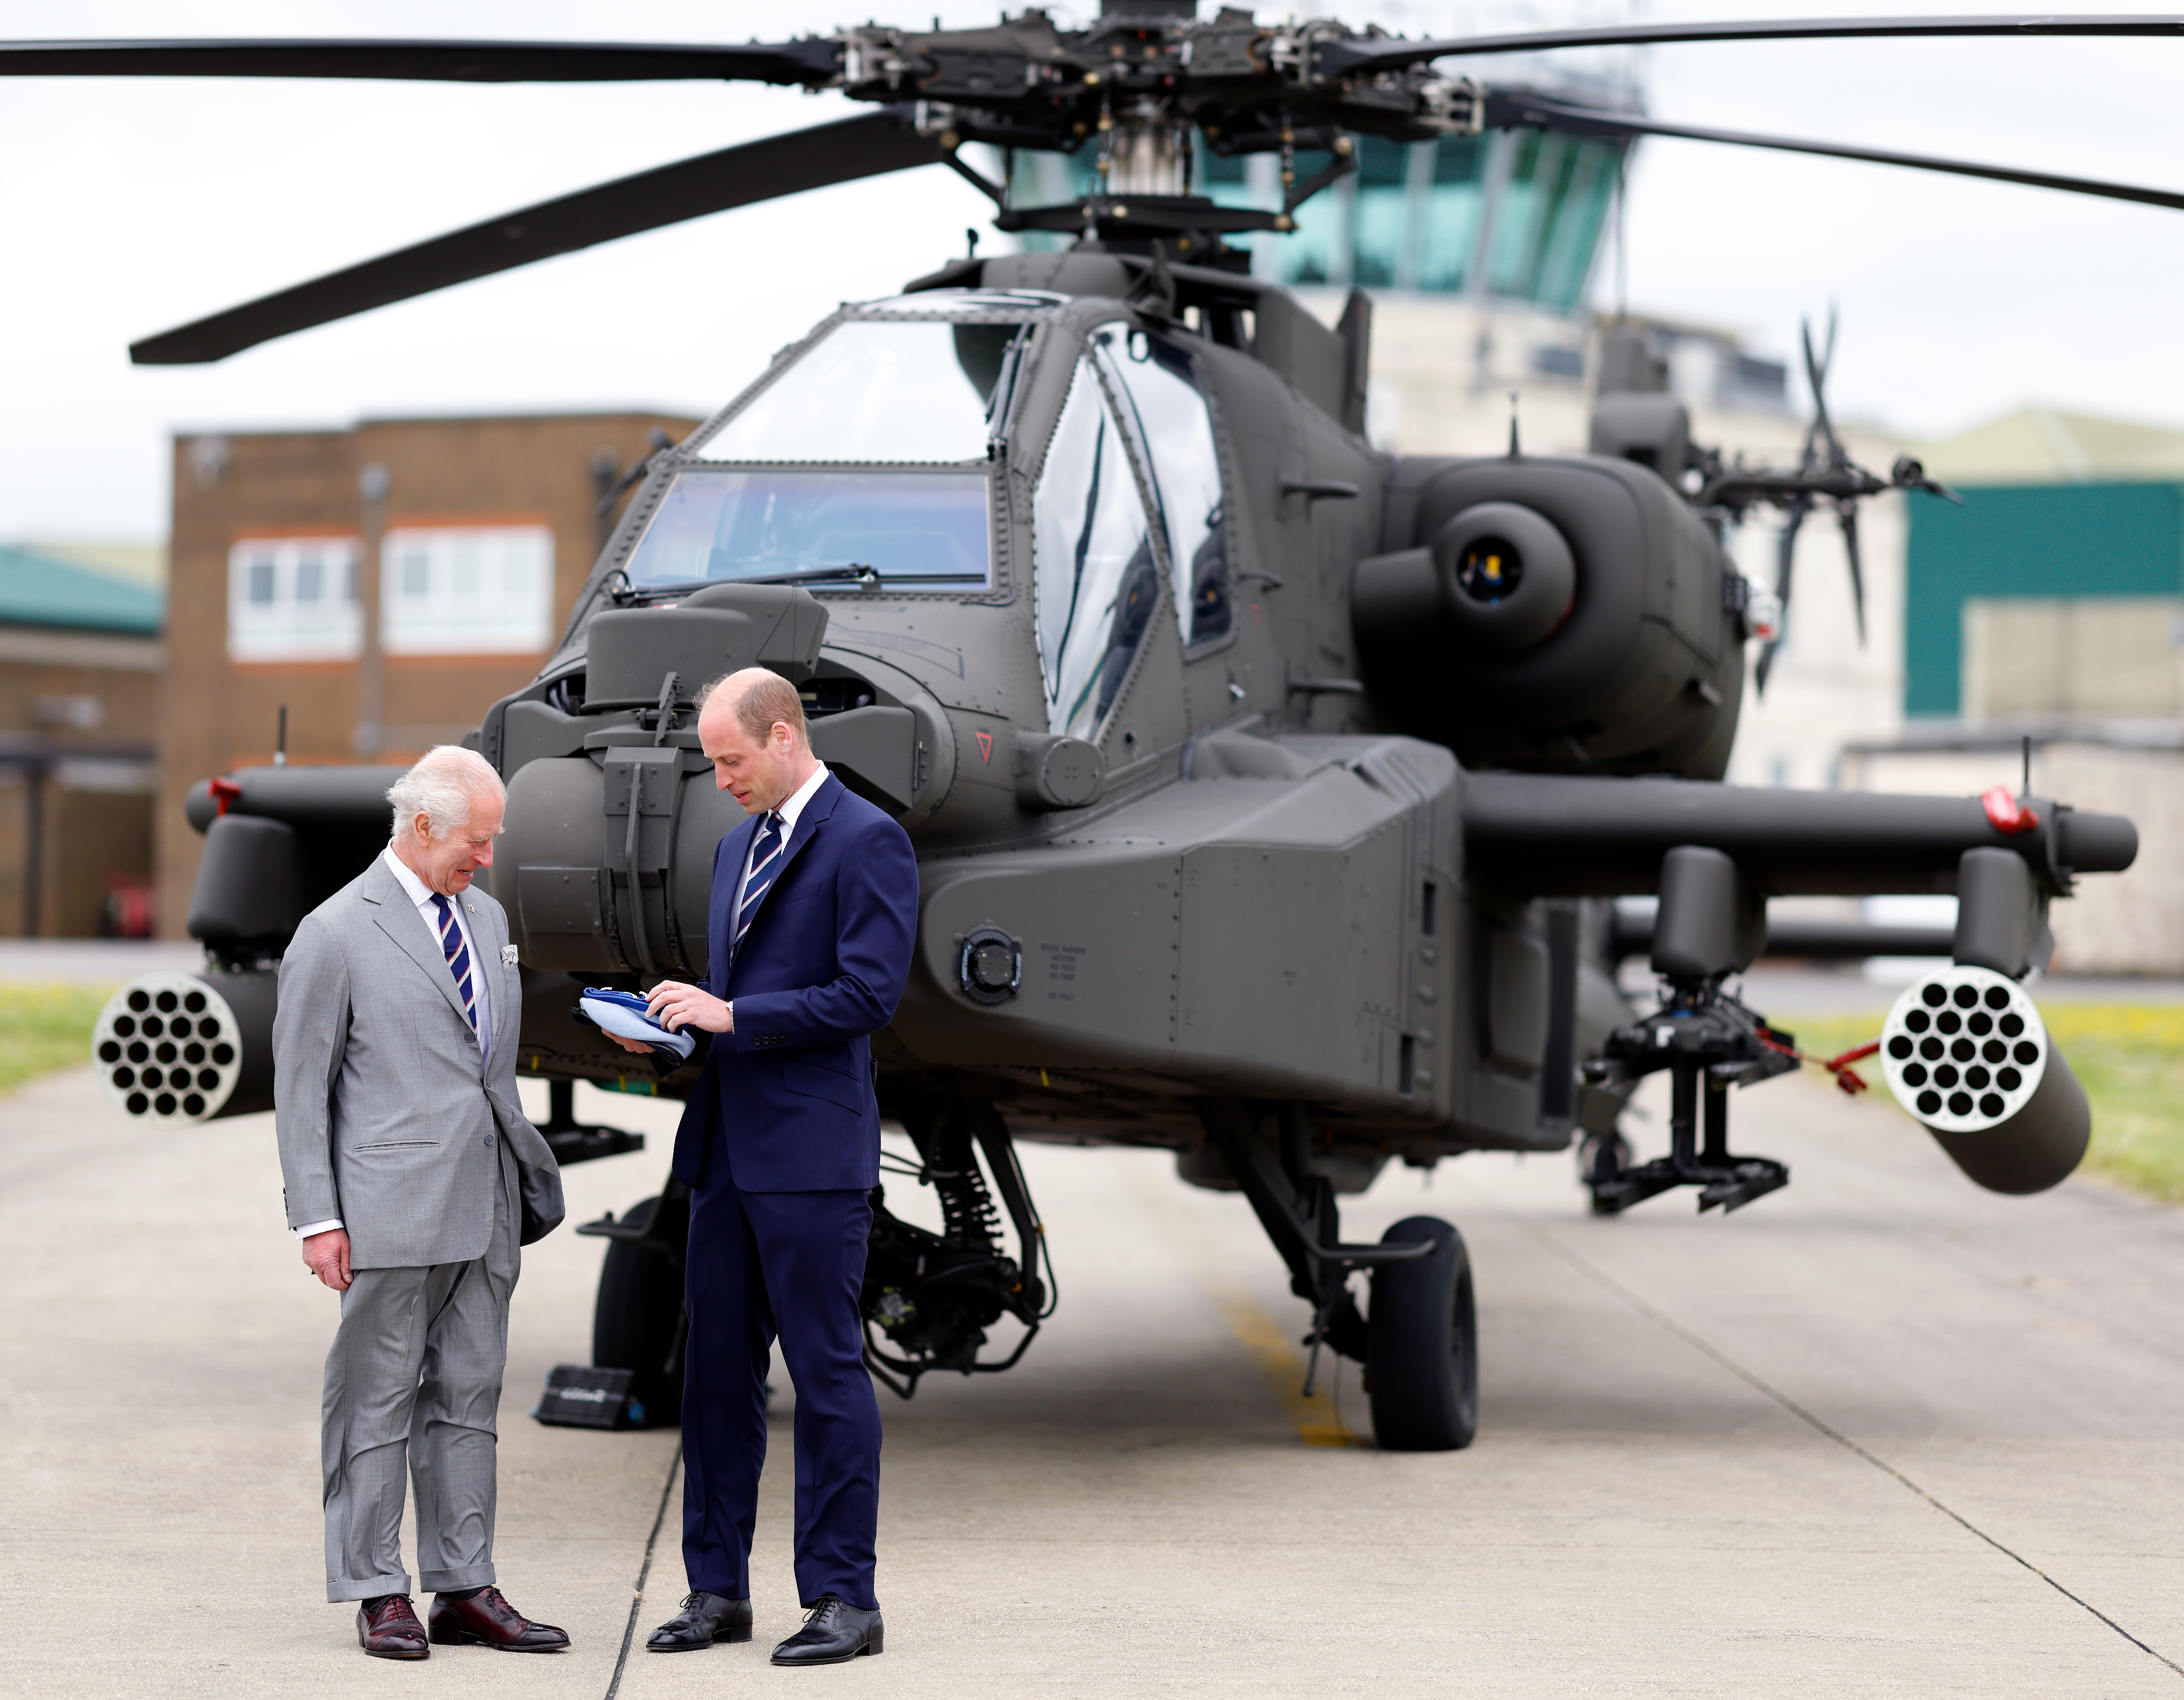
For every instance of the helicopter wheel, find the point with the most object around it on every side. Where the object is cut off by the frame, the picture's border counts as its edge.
(1601, 1157)
(1423, 1344)
(636, 1318)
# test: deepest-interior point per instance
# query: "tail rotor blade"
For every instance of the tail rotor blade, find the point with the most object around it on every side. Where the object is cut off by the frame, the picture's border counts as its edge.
(1816, 380)
(1847, 517)
(1784, 561)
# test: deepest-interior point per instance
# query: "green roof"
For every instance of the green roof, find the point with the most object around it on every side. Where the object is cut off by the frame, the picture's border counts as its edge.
(38, 589)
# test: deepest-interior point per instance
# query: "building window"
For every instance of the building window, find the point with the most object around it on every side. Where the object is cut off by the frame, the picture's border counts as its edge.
(467, 590)
(293, 599)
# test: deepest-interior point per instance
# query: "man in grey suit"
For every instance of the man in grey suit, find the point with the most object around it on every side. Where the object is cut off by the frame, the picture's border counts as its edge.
(412, 1176)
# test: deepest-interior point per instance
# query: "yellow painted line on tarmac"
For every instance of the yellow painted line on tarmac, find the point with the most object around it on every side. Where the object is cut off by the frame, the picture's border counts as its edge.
(1318, 1420)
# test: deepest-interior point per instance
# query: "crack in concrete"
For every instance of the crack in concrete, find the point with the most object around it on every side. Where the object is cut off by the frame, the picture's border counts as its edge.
(645, 1571)
(1668, 1325)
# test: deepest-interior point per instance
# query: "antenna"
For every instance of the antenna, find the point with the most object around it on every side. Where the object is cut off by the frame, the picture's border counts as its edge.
(1514, 452)
(2024, 789)
(281, 740)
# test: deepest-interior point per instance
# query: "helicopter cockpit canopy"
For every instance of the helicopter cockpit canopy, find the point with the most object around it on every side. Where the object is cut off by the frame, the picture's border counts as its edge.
(912, 527)
(1099, 550)
(866, 458)
(862, 457)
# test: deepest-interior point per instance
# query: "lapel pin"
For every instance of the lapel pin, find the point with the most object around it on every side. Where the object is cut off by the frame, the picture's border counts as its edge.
(508, 956)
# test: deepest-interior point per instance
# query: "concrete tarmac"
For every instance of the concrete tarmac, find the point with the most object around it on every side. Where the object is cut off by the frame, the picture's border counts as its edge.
(1880, 1433)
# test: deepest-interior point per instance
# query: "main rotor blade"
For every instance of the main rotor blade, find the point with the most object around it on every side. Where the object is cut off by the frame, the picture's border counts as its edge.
(866, 145)
(1358, 58)
(1506, 110)
(812, 61)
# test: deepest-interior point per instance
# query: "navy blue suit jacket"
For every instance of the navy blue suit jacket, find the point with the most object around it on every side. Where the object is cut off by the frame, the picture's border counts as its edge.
(821, 970)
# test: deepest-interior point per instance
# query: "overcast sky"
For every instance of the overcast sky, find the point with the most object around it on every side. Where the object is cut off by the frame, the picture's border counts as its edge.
(127, 207)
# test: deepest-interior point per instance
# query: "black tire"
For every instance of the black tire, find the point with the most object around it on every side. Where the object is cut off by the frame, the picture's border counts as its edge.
(1589, 1167)
(636, 1318)
(1422, 1340)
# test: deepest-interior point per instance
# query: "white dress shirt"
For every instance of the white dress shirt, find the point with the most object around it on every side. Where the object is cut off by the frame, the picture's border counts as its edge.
(421, 894)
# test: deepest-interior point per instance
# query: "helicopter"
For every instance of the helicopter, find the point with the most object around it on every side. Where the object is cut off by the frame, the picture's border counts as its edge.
(1272, 793)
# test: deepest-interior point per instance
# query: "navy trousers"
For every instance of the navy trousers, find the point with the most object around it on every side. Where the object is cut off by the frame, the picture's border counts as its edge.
(762, 1264)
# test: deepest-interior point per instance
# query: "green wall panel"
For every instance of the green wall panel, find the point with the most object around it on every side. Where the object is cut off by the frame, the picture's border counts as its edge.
(2030, 540)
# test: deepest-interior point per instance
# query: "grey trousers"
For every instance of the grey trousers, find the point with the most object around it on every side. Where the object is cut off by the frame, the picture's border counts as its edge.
(413, 1388)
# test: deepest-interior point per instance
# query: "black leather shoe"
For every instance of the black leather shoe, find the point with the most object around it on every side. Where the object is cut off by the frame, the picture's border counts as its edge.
(486, 1620)
(834, 1634)
(388, 1628)
(704, 1620)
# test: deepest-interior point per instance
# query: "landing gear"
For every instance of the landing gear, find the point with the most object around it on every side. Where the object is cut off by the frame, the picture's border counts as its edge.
(577, 1142)
(1421, 1374)
(637, 1319)
(929, 1298)
(1600, 1159)
(1420, 1347)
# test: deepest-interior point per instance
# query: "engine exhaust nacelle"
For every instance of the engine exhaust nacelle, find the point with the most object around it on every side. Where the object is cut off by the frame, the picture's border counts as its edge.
(188, 1048)
(1965, 1052)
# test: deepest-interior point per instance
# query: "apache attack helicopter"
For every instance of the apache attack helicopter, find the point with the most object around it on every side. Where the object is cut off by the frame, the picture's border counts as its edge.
(1272, 793)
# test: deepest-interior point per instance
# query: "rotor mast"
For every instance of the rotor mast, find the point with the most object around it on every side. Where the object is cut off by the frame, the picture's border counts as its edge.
(1144, 150)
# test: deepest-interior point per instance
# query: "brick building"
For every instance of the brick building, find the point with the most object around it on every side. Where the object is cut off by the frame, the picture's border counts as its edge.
(465, 540)
(79, 661)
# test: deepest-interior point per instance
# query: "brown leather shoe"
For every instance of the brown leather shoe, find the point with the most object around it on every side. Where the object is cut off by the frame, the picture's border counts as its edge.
(388, 1628)
(486, 1620)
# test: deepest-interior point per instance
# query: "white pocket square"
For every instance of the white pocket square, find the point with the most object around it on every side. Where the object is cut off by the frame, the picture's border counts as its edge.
(508, 956)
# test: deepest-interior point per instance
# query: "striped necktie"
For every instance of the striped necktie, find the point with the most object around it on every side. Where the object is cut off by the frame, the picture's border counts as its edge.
(766, 863)
(457, 954)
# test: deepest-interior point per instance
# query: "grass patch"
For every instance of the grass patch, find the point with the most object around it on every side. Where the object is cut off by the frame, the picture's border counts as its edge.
(2129, 1057)
(43, 1028)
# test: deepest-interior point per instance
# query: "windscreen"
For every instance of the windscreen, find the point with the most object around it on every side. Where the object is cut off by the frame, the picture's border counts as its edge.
(1097, 585)
(878, 391)
(1176, 437)
(907, 528)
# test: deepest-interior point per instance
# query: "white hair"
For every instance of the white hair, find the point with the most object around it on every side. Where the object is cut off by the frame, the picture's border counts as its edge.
(447, 784)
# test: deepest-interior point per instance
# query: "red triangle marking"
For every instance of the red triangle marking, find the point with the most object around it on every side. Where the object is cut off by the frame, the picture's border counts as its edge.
(986, 747)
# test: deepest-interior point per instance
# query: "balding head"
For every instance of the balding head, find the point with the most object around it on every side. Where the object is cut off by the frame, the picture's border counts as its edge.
(760, 699)
(751, 727)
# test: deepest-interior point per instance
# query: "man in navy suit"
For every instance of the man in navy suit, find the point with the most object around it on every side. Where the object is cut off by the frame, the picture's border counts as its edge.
(808, 942)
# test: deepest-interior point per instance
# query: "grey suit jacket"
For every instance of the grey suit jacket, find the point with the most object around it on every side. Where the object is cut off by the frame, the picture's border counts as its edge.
(384, 1116)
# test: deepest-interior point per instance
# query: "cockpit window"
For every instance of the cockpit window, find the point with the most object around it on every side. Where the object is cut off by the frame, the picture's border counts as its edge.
(874, 389)
(915, 530)
(1176, 436)
(928, 302)
(1097, 584)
